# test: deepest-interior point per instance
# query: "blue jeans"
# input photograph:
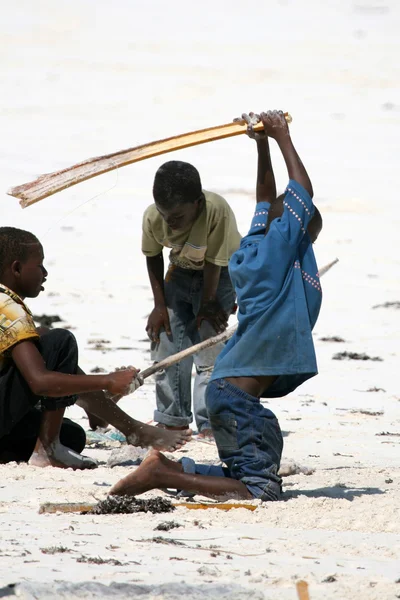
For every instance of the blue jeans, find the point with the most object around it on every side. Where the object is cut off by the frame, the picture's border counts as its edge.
(248, 438)
(183, 294)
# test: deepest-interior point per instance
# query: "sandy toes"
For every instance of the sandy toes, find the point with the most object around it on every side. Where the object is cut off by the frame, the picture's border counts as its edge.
(160, 439)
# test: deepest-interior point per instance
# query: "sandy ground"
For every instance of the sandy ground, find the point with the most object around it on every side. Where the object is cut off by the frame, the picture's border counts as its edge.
(84, 78)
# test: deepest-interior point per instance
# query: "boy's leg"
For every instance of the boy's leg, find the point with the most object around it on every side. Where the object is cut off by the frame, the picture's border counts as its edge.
(60, 352)
(173, 385)
(205, 359)
(248, 438)
(49, 452)
(249, 441)
(19, 444)
(157, 472)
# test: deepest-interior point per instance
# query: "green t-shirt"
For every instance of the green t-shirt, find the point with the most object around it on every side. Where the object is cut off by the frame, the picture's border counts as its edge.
(213, 237)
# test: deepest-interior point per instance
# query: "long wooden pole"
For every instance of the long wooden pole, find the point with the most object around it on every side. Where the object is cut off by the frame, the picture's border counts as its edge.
(51, 183)
(217, 339)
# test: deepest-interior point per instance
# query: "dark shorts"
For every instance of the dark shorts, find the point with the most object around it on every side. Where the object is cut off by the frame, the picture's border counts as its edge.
(59, 350)
(18, 445)
(248, 438)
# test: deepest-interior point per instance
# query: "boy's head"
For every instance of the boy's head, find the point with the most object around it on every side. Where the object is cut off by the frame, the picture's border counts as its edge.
(178, 194)
(21, 262)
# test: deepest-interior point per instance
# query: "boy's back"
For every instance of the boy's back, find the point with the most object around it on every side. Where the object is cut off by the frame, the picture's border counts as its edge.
(279, 297)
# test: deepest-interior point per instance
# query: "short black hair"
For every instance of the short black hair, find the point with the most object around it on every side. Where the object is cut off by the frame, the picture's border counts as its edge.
(176, 182)
(15, 244)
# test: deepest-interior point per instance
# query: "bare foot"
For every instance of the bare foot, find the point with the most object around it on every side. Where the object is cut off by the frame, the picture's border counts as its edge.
(57, 455)
(154, 472)
(158, 438)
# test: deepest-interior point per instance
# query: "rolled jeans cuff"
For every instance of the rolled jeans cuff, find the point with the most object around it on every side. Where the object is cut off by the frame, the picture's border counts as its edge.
(164, 419)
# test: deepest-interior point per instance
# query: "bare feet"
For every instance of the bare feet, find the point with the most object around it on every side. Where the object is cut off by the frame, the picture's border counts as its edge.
(154, 472)
(159, 438)
(57, 455)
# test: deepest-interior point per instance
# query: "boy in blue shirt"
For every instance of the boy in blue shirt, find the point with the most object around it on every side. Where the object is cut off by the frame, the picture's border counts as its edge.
(271, 353)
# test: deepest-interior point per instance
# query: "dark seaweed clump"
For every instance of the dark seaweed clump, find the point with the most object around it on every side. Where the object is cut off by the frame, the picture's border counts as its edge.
(47, 320)
(125, 505)
(355, 356)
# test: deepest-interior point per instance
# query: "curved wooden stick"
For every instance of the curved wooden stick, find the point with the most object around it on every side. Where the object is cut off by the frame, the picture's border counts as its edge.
(51, 183)
(222, 337)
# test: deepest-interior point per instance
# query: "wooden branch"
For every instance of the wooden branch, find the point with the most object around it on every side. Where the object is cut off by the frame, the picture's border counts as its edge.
(171, 360)
(78, 507)
(51, 183)
(302, 590)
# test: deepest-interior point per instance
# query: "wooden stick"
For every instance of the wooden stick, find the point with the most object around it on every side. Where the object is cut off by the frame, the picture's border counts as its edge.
(171, 360)
(222, 337)
(77, 507)
(218, 505)
(51, 183)
(302, 590)
(326, 268)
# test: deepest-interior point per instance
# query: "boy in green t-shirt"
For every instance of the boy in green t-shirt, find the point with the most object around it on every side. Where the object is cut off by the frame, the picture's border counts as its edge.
(194, 301)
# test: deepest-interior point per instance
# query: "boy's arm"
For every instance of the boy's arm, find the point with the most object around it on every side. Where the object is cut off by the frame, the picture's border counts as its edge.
(54, 384)
(210, 308)
(275, 126)
(158, 317)
(266, 187)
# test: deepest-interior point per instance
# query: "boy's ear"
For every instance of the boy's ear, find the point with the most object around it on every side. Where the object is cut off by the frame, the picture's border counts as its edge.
(16, 267)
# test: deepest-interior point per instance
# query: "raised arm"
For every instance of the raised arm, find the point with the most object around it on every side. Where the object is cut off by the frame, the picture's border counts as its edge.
(275, 126)
(265, 187)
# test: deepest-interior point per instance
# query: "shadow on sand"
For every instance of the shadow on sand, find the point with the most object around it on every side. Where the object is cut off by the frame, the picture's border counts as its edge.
(338, 492)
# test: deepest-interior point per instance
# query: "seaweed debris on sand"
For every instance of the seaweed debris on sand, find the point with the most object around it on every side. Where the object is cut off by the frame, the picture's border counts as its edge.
(114, 505)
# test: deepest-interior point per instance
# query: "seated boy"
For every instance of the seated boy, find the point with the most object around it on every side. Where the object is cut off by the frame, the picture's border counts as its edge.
(196, 298)
(272, 352)
(44, 369)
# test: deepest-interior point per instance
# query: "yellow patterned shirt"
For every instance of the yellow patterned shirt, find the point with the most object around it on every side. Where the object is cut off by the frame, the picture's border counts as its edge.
(16, 322)
(213, 237)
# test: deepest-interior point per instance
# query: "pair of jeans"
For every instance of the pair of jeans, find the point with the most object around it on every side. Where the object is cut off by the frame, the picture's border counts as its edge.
(183, 294)
(248, 438)
(59, 351)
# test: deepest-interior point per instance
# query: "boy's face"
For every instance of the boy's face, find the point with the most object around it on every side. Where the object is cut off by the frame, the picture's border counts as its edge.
(30, 274)
(181, 216)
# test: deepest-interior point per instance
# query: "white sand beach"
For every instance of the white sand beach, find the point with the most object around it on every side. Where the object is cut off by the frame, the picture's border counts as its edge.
(86, 78)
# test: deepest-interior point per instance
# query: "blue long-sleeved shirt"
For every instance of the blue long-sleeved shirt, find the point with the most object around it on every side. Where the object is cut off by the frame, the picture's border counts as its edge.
(279, 297)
